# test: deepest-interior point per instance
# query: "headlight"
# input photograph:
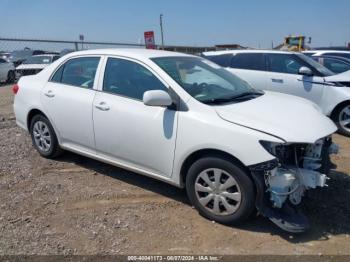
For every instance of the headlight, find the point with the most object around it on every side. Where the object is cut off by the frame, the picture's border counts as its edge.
(274, 148)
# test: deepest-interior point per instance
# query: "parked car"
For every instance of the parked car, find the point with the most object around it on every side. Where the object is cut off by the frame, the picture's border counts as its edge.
(183, 120)
(336, 64)
(17, 57)
(7, 71)
(35, 64)
(295, 74)
(340, 53)
(5, 55)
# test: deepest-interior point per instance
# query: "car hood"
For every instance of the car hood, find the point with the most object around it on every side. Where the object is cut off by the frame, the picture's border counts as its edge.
(342, 77)
(31, 66)
(290, 118)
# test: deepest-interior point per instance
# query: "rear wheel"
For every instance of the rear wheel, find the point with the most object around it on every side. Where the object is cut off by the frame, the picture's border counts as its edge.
(341, 117)
(220, 190)
(44, 138)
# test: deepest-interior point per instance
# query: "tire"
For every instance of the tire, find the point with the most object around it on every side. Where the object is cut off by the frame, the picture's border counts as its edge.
(239, 209)
(341, 118)
(11, 77)
(44, 137)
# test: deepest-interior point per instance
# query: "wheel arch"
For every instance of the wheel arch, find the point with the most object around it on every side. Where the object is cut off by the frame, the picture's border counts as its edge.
(198, 154)
(336, 108)
(33, 112)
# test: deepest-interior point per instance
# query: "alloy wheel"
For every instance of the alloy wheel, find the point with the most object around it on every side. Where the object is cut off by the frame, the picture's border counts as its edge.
(344, 118)
(42, 136)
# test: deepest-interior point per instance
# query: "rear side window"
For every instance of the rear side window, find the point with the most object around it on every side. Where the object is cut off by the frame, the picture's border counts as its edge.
(129, 79)
(2, 61)
(77, 72)
(221, 60)
(251, 61)
(284, 63)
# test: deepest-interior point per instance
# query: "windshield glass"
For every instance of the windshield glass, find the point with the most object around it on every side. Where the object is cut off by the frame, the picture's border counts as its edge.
(38, 60)
(204, 80)
(320, 68)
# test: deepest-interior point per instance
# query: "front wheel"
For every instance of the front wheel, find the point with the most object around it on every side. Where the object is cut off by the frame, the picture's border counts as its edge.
(341, 117)
(220, 190)
(44, 138)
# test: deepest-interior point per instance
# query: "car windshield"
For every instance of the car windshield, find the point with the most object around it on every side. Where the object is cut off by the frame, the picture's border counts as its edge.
(320, 68)
(206, 81)
(38, 60)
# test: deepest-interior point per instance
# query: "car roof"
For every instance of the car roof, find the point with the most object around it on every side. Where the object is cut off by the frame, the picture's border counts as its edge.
(45, 55)
(224, 52)
(137, 53)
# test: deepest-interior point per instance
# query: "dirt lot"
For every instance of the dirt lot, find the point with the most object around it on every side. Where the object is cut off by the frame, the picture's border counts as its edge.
(75, 205)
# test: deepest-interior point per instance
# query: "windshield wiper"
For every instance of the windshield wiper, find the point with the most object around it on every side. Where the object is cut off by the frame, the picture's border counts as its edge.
(242, 96)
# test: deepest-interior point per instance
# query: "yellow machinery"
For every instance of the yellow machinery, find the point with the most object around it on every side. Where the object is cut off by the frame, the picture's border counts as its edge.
(295, 43)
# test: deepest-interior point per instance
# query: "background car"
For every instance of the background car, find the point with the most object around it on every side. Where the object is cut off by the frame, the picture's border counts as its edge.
(35, 64)
(5, 55)
(336, 64)
(292, 73)
(7, 71)
(340, 53)
(17, 57)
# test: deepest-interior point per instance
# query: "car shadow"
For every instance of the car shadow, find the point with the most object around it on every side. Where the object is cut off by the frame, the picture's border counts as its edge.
(328, 209)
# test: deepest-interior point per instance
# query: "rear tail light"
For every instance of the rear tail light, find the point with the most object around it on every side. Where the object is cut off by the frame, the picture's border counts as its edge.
(15, 89)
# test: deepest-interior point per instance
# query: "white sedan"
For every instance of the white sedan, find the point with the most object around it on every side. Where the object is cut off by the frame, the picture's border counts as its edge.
(183, 120)
(295, 74)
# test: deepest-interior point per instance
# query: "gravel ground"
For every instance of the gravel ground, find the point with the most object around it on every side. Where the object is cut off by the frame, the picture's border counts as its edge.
(74, 205)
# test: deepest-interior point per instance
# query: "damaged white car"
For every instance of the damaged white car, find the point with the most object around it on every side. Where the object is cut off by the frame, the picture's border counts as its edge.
(185, 121)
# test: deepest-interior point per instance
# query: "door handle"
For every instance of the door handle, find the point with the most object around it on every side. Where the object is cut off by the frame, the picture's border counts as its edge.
(49, 94)
(102, 106)
(275, 80)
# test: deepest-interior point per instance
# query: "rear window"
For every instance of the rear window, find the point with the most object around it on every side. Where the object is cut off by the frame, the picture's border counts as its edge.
(251, 61)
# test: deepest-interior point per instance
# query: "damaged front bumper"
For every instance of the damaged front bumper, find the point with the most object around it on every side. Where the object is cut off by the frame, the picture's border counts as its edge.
(282, 182)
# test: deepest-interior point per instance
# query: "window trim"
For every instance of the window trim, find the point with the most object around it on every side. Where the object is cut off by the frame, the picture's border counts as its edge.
(63, 63)
(103, 69)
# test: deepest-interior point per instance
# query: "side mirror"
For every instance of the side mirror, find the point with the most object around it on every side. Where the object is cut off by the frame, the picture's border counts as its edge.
(305, 71)
(157, 98)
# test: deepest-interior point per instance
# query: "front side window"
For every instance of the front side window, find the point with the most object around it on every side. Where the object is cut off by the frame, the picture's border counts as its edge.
(204, 80)
(250, 61)
(319, 69)
(284, 63)
(77, 72)
(129, 79)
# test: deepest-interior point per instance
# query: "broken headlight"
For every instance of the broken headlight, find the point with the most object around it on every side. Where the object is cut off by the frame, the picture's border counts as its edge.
(275, 149)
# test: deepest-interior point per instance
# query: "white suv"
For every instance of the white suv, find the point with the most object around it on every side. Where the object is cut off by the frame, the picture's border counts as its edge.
(184, 120)
(295, 74)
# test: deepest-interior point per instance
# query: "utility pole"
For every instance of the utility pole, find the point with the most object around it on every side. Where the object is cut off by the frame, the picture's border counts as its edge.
(161, 29)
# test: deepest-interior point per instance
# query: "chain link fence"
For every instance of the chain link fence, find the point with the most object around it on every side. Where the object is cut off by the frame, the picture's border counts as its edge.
(8, 45)
(57, 46)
